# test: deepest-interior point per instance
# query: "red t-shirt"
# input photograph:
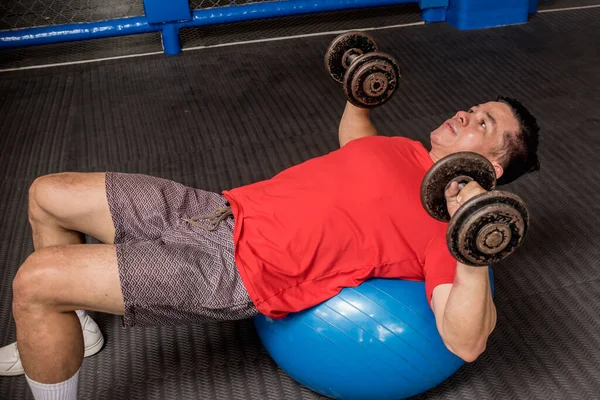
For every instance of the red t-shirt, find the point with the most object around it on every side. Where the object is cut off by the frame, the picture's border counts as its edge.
(335, 221)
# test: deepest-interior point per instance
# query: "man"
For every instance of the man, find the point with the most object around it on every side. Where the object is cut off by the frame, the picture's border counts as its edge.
(272, 247)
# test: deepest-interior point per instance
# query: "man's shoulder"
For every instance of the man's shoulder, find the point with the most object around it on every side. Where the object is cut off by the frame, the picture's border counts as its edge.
(409, 149)
(387, 141)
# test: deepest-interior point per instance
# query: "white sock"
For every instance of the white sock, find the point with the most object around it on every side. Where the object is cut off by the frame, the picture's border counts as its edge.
(81, 314)
(66, 390)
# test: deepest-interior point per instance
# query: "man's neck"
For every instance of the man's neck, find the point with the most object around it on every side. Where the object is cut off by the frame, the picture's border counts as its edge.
(434, 157)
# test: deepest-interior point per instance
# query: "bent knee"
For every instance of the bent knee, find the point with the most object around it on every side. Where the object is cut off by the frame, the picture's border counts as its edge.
(44, 191)
(48, 187)
(48, 194)
(33, 281)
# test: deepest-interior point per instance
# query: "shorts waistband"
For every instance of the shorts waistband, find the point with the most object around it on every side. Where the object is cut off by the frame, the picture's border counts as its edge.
(212, 220)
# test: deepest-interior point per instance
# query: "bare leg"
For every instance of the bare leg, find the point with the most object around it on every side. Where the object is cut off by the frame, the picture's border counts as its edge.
(64, 207)
(50, 285)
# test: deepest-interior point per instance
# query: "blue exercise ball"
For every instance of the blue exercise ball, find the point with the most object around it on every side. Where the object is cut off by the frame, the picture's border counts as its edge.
(375, 341)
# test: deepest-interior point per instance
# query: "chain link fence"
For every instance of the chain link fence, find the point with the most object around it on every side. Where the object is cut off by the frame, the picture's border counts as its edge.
(29, 13)
(199, 4)
(16, 14)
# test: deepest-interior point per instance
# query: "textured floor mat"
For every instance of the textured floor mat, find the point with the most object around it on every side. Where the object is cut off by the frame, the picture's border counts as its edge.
(270, 106)
(558, 4)
(73, 52)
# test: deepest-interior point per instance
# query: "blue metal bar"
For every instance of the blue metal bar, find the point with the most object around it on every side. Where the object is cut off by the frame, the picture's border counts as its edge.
(213, 16)
(272, 9)
(71, 32)
(170, 39)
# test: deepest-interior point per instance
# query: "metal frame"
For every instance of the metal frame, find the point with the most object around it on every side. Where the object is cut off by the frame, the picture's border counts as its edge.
(433, 10)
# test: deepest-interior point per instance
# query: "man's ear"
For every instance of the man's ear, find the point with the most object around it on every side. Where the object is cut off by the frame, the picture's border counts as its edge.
(499, 170)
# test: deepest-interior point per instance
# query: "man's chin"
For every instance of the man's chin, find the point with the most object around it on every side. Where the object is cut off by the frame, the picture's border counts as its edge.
(434, 137)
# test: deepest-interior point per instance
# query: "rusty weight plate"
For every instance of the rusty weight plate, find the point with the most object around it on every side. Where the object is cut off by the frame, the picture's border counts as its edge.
(371, 80)
(462, 164)
(487, 228)
(337, 56)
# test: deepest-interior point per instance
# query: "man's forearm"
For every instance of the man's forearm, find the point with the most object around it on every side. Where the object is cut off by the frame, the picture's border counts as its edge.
(356, 123)
(470, 314)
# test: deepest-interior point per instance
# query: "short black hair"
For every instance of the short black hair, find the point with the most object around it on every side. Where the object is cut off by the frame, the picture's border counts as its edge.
(519, 155)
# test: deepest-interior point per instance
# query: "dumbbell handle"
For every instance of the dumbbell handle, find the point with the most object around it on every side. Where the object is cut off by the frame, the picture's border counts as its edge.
(350, 56)
(462, 180)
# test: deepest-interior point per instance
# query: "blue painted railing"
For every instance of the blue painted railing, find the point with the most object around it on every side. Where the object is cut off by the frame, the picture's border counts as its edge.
(170, 29)
(170, 16)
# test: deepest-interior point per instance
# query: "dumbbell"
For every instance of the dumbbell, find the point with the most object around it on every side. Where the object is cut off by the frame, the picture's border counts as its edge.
(369, 78)
(488, 227)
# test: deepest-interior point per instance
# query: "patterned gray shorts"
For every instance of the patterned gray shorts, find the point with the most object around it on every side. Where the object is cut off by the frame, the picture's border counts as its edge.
(173, 271)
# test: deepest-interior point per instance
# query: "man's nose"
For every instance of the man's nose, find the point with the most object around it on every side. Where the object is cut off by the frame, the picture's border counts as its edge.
(463, 117)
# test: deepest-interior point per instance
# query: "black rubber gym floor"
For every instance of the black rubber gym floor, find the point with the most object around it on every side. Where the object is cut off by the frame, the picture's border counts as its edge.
(223, 117)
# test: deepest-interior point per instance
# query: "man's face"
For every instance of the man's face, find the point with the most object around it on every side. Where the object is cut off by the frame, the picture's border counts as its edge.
(480, 130)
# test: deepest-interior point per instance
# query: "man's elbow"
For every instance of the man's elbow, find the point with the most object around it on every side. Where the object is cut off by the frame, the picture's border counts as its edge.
(468, 353)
